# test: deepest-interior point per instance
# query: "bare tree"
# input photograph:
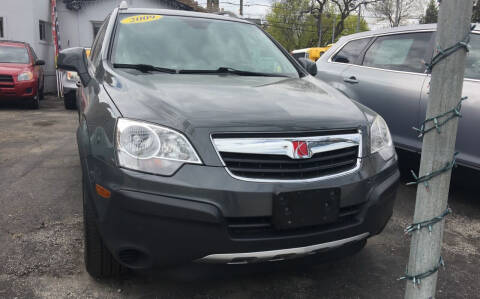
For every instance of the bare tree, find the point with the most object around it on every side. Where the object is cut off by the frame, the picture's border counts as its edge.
(396, 12)
(346, 7)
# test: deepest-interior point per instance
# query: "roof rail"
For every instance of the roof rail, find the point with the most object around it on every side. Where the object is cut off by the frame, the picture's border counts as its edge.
(123, 5)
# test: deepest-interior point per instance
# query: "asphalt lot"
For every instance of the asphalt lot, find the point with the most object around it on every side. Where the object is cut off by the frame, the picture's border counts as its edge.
(41, 250)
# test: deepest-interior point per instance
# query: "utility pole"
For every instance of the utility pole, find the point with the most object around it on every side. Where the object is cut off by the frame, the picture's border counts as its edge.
(359, 17)
(241, 7)
(319, 28)
(438, 148)
(333, 28)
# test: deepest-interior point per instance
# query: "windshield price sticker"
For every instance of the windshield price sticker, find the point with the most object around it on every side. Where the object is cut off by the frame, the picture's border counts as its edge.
(141, 19)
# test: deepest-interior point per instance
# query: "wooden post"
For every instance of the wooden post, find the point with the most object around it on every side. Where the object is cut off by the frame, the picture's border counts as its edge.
(438, 148)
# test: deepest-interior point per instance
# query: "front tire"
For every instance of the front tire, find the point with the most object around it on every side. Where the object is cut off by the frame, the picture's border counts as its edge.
(41, 94)
(35, 101)
(99, 262)
(70, 101)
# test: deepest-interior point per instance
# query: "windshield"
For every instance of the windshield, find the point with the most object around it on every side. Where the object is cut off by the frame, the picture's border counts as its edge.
(186, 43)
(13, 55)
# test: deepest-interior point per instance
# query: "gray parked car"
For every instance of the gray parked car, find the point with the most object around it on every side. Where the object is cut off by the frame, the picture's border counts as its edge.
(385, 70)
(190, 153)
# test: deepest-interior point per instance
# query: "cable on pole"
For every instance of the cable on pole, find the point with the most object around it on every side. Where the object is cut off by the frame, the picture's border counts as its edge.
(417, 279)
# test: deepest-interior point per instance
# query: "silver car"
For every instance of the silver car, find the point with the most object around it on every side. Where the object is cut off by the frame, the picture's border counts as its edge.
(385, 70)
(69, 87)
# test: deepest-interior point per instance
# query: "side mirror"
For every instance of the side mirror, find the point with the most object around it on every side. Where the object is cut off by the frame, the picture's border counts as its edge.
(75, 59)
(309, 65)
(341, 59)
(40, 62)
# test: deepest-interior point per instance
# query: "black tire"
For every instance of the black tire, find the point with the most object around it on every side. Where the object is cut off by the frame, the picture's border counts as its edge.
(41, 95)
(70, 101)
(99, 262)
(35, 101)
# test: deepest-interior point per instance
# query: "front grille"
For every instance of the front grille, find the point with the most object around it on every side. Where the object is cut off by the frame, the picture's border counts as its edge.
(6, 81)
(262, 227)
(259, 166)
(289, 156)
(6, 78)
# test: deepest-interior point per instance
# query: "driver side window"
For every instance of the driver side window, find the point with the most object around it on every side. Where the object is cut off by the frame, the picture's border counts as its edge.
(351, 51)
(399, 52)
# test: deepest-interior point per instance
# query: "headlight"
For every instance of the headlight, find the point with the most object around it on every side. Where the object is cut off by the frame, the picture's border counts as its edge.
(380, 135)
(151, 148)
(25, 76)
(73, 76)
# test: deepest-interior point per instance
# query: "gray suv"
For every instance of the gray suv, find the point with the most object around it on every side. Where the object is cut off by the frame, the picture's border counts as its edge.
(202, 139)
(385, 70)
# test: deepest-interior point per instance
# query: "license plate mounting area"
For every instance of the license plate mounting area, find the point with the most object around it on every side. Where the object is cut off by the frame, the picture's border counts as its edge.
(305, 208)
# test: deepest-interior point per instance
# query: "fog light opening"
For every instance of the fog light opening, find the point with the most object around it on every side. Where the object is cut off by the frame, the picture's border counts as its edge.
(133, 258)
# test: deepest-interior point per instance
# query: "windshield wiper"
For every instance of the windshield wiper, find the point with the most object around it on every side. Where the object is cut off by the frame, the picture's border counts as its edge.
(144, 68)
(229, 70)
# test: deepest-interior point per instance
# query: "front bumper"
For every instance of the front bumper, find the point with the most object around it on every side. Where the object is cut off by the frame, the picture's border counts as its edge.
(18, 90)
(189, 216)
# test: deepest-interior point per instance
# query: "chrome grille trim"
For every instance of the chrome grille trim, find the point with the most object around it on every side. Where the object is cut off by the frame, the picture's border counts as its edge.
(282, 146)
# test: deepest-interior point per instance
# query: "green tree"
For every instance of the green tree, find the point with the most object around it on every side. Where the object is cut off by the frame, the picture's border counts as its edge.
(290, 23)
(431, 14)
(345, 8)
(350, 26)
(296, 25)
(317, 9)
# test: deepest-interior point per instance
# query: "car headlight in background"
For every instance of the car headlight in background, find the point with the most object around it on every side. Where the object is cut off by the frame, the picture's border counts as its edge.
(72, 76)
(25, 76)
(151, 148)
(380, 138)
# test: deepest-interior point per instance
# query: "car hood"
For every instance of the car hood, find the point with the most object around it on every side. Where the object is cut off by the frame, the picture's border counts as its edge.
(228, 103)
(12, 68)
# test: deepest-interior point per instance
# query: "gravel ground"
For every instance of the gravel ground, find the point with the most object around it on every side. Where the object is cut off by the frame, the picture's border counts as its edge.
(41, 250)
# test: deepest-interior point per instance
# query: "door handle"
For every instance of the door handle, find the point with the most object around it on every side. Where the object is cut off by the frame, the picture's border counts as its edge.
(351, 80)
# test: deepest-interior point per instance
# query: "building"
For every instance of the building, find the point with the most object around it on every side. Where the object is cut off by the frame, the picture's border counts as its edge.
(78, 21)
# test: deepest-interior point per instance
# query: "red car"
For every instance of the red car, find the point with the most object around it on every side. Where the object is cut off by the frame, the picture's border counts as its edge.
(21, 74)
